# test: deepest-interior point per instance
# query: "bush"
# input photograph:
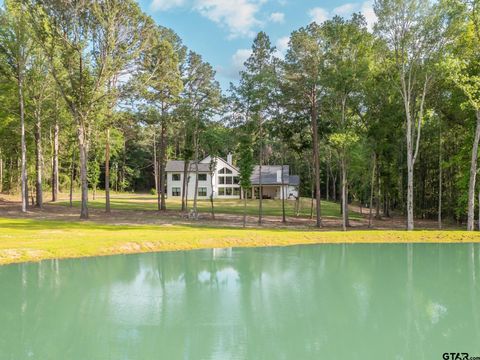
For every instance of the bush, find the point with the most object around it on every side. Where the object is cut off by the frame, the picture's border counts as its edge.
(153, 192)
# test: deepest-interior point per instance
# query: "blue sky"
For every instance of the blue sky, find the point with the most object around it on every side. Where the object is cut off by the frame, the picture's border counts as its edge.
(222, 30)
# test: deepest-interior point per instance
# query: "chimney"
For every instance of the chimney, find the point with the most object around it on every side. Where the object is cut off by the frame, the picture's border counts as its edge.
(279, 176)
(229, 159)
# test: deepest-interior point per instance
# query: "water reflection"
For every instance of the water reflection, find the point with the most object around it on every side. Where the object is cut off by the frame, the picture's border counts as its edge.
(302, 302)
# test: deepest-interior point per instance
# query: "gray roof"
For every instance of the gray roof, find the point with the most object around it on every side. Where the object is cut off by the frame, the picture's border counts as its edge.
(178, 165)
(269, 175)
(294, 180)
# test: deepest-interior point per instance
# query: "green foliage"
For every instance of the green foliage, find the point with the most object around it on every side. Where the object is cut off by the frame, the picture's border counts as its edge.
(362, 84)
(245, 161)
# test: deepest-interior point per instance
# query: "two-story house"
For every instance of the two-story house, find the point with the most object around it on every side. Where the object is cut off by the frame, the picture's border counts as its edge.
(223, 183)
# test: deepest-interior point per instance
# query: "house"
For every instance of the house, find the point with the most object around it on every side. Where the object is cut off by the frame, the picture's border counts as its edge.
(224, 184)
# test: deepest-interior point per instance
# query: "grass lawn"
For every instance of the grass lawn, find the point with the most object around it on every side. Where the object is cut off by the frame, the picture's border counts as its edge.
(235, 206)
(33, 240)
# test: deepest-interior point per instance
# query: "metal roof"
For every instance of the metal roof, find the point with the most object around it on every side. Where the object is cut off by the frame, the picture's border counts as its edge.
(178, 165)
(269, 175)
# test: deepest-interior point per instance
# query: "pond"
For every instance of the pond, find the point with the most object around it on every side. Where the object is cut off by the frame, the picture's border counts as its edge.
(298, 302)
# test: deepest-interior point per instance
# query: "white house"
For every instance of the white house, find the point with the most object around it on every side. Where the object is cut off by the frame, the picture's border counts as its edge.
(225, 183)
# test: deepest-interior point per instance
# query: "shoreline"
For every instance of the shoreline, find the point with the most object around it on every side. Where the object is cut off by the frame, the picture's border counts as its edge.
(32, 240)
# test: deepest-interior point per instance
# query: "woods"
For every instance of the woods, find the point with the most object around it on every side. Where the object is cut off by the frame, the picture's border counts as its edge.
(97, 95)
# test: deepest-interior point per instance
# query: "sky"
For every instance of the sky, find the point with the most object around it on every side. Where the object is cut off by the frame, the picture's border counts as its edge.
(222, 31)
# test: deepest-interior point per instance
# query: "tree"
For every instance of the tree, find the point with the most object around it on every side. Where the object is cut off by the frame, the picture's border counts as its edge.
(160, 84)
(125, 31)
(77, 41)
(305, 61)
(412, 32)
(463, 69)
(38, 91)
(347, 45)
(201, 98)
(257, 84)
(245, 166)
(15, 47)
(214, 140)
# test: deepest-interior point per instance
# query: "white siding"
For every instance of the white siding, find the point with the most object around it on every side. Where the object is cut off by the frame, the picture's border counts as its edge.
(174, 184)
(221, 190)
(171, 184)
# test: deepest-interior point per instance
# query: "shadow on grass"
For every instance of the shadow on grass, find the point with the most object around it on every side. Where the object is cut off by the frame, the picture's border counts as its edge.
(42, 225)
(329, 209)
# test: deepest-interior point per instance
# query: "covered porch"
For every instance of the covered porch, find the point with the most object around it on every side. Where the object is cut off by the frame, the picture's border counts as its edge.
(268, 192)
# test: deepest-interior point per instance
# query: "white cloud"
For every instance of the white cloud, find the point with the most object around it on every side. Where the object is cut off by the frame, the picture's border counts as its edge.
(345, 9)
(240, 56)
(318, 15)
(367, 11)
(238, 16)
(166, 4)
(277, 17)
(282, 46)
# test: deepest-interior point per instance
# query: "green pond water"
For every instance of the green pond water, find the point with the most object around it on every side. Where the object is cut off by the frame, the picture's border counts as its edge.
(299, 302)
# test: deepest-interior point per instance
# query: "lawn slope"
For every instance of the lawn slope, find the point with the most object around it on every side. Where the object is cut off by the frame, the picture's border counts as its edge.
(24, 240)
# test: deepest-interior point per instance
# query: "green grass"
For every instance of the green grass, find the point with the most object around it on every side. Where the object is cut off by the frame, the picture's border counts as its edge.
(223, 206)
(33, 240)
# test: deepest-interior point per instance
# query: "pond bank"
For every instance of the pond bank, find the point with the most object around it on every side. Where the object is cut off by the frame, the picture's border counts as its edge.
(25, 240)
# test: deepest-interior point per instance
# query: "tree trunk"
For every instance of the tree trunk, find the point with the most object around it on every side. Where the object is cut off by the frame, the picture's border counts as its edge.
(82, 147)
(161, 172)
(155, 164)
(260, 183)
(327, 185)
(377, 198)
(10, 177)
(72, 174)
(107, 171)
(372, 189)
(55, 185)
(440, 181)
(212, 171)
(297, 201)
(185, 185)
(334, 183)
(312, 193)
(1, 171)
(344, 194)
(24, 187)
(38, 158)
(473, 174)
(195, 193)
(316, 160)
(284, 220)
(245, 211)
(410, 165)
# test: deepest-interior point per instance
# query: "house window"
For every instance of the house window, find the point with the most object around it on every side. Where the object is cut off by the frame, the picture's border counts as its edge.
(236, 191)
(175, 191)
(202, 177)
(228, 191)
(175, 177)
(221, 179)
(236, 180)
(225, 171)
(228, 180)
(221, 191)
(202, 191)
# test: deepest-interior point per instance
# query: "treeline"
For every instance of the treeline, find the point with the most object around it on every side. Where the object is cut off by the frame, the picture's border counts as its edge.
(96, 95)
